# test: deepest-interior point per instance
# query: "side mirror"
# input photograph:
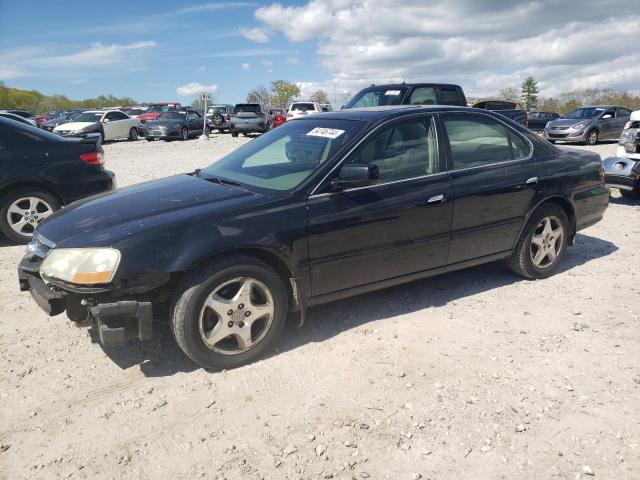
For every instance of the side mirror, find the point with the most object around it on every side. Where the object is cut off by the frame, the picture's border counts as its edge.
(607, 116)
(355, 175)
(106, 120)
(343, 107)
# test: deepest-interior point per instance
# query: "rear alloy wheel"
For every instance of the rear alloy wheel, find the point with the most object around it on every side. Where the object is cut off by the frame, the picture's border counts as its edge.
(543, 243)
(22, 210)
(184, 134)
(133, 134)
(592, 137)
(229, 313)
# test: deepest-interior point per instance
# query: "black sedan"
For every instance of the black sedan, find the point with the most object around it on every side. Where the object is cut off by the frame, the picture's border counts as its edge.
(175, 126)
(40, 172)
(321, 208)
(539, 120)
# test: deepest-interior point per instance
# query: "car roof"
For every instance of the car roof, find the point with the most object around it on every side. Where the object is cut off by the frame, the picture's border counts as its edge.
(371, 114)
(419, 84)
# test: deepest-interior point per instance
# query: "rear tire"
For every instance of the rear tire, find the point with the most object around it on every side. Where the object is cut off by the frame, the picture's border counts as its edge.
(149, 139)
(217, 326)
(539, 257)
(234, 134)
(17, 205)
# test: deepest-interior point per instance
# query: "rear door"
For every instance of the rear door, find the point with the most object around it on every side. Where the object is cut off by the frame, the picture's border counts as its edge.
(607, 126)
(397, 227)
(622, 116)
(494, 180)
(110, 127)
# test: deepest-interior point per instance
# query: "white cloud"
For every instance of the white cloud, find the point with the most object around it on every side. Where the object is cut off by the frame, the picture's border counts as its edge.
(246, 66)
(267, 63)
(195, 88)
(484, 46)
(293, 60)
(96, 54)
(258, 35)
(248, 52)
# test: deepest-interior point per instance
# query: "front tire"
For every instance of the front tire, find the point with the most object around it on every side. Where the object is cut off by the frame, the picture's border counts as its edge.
(184, 134)
(22, 210)
(229, 313)
(133, 134)
(234, 134)
(592, 137)
(543, 243)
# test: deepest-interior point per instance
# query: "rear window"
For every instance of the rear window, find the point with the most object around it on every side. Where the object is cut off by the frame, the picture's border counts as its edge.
(247, 108)
(378, 96)
(452, 96)
(302, 107)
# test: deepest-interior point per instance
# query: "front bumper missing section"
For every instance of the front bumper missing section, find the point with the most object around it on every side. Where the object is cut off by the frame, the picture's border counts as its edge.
(117, 322)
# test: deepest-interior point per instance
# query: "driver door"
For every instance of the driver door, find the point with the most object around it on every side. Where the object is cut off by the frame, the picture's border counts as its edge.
(110, 126)
(608, 125)
(396, 227)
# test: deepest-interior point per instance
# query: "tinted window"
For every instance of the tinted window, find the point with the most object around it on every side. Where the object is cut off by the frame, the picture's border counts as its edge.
(623, 112)
(286, 156)
(477, 141)
(374, 97)
(247, 108)
(423, 96)
(193, 116)
(587, 112)
(500, 105)
(119, 116)
(302, 107)
(451, 96)
(173, 115)
(88, 117)
(405, 150)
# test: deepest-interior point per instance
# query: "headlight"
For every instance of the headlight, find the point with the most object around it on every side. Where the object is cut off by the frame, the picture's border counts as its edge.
(579, 126)
(84, 266)
(88, 128)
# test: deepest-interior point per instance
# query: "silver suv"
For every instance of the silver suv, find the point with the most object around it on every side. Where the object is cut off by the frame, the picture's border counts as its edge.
(587, 125)
(302, 109)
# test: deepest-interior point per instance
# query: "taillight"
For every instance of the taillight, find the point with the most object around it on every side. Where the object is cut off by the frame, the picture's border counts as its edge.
(92, 158)
(227, 117)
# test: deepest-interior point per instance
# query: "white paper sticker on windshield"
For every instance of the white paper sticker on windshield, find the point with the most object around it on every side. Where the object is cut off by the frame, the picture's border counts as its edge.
(392, 92)
(325, 132)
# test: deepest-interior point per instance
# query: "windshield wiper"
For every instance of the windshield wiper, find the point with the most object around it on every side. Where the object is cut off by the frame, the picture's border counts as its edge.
(220, 180)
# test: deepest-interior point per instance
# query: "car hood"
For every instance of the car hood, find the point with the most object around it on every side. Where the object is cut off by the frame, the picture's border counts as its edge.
(567, 122)
(148, 116)
(165, 121)
(171, 206)
(74, 125)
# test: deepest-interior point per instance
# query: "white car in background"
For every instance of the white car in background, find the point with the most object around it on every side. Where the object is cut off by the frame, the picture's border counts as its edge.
(302, 109)
(110, 124)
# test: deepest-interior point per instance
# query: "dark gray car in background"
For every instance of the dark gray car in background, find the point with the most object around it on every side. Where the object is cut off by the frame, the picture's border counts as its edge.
(588, 125)
(250, 118)
(219, 116)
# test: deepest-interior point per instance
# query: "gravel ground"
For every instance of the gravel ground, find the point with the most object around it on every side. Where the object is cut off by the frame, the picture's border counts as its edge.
(475, 374)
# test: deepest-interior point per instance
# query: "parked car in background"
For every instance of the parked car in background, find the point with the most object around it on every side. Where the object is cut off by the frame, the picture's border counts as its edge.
(135, 112)
(46, 116)
(30, 117)
(588, 125)
(250, 118)
(512, 110)
(623, 170)
(219, 116)
(175, 126)
(155, 109)
(62, 118)
(279, 116)
(302, 109)
(408, 94)
(539, 120)
(326, 107)
(110, 124)
(40, 172)
(17, 118)
(325, 207)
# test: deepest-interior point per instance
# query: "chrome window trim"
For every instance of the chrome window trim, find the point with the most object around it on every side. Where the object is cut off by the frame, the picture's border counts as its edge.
(367, 138)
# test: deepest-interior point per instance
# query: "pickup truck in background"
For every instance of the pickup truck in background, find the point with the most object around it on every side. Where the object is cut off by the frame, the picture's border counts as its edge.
(512, 110)
(430, 94)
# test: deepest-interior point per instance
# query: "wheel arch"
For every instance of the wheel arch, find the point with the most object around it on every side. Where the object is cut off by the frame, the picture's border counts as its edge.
(7, 189)
(275, 261)
(563, 203)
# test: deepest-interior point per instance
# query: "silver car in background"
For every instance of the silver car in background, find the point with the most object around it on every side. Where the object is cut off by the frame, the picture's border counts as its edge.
(588, 125)
(623, 170)
(302, 109)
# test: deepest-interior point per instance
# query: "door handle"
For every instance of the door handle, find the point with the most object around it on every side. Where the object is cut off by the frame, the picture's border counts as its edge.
(436, 199)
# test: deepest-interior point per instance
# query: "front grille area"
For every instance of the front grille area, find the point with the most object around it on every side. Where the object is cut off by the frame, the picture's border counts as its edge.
(558, 135)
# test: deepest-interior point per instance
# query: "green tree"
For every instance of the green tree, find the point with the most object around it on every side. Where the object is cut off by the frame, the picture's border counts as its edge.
(260, 95)
(283, 93)
(198, 103)
(319, 96)
(530, 93)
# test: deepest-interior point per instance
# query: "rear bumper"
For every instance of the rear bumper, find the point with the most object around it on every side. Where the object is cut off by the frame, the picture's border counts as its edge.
(248, 127)
(622, 182)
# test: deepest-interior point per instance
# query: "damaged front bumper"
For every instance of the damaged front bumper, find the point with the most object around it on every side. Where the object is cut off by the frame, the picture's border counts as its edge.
(116, 321)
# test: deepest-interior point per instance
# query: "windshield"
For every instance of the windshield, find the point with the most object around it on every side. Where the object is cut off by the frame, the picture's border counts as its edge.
(375, 97)
(283, 158)
(88, 117)
(588, 112)
(135, 111)
(217, 109)
(173, 115)
(161, 108)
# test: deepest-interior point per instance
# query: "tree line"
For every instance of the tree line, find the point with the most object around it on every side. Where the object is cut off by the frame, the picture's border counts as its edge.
(565, 102)
(281, 93)
(37, 102)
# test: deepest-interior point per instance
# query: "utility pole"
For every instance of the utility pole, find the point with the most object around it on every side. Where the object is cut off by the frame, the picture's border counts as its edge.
(205, 97)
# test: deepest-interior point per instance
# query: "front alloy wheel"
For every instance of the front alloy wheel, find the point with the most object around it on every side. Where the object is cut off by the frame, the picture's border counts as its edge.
(229, 312)
(592, 137)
